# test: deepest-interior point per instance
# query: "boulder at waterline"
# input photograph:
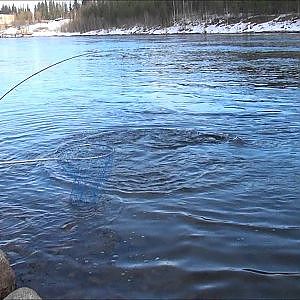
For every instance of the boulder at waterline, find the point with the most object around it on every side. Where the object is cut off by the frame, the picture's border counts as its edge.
(7, 276)
(23, 293)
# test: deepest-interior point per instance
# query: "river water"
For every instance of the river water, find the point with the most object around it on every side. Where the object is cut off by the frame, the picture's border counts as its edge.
(203, 194)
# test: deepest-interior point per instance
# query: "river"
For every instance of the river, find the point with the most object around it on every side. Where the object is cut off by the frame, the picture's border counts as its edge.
(202, 200)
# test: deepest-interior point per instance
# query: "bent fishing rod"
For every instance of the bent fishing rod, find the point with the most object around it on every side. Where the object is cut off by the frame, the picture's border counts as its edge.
(12, 162)
(40, 71)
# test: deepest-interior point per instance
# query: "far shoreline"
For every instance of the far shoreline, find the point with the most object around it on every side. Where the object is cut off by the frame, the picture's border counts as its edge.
(54, 28)
(153, 35)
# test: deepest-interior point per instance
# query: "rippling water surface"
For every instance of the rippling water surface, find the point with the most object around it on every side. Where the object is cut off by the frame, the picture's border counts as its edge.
(203, 197)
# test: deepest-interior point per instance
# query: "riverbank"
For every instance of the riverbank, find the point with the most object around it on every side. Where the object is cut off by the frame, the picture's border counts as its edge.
(276, 25)
(8, 289)
(280, 24)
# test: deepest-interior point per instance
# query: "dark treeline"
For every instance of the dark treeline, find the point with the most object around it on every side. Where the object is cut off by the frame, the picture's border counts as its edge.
(44, 10)
(23, 14)
(49, 10)
(7, 9)
(95, 14)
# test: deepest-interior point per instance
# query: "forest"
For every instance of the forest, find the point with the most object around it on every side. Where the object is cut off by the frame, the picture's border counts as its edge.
(95, 14)
(88, 15)
(44, 10)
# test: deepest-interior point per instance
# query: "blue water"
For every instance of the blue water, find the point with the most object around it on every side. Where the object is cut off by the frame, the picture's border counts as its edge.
(203, 198)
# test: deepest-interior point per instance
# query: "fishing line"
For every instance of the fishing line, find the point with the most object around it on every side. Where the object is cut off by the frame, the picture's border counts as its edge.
(13, 162)
(37, 160)
(38, 72)
(99, 163)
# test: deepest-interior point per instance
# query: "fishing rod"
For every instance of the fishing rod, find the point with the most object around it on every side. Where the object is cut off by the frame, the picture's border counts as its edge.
(40, 71)
(34, 161)
(102, 159)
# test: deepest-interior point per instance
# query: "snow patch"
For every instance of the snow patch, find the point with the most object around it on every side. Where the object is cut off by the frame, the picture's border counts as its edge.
(242, 27)
(53, 28)
(50, 28)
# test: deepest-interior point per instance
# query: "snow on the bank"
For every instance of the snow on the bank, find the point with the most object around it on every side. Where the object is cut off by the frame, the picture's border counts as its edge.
(53, 28)
(241, 27)
(50, 28)
(10, 31)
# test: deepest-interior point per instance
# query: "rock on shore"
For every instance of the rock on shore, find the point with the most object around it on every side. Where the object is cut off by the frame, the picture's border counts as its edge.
(7, 276)
(8, 283)
(22, 294)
